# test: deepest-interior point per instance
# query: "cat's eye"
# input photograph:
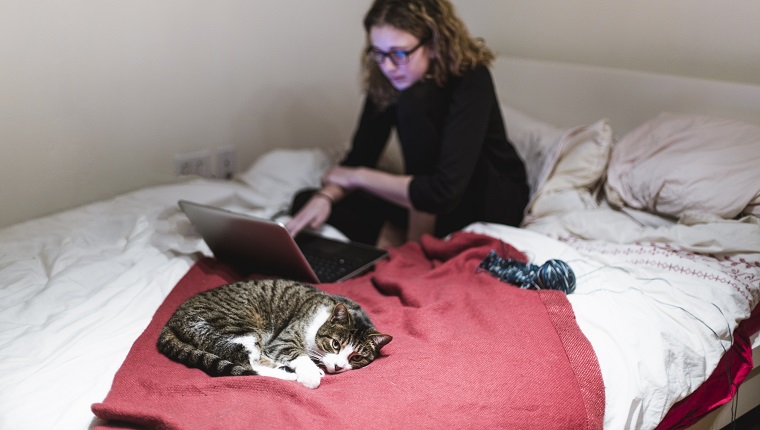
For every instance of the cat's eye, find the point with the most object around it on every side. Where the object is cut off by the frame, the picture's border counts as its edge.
(335, 344)
(356, 358)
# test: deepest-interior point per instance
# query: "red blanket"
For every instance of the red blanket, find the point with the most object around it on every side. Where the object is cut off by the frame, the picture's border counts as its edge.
(468, 351)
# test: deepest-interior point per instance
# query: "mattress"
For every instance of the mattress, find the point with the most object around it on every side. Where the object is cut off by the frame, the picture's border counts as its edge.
(659, 305)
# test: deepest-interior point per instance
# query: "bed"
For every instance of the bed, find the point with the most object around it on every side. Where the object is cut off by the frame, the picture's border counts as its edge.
(646, 185)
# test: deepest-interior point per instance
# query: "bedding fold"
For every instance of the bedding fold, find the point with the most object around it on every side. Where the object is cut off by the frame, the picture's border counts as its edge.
(723, 384)
(468, 352)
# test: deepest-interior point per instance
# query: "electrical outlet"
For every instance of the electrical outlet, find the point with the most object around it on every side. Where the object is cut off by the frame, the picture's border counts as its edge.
(226, 162)
(193, 163)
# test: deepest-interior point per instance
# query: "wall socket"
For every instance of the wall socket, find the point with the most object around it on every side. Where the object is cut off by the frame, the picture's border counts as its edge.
(221, 163)
(196, 163)
(226, 162)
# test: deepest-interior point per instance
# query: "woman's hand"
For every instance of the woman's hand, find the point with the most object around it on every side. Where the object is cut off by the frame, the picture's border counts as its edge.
(312, 215)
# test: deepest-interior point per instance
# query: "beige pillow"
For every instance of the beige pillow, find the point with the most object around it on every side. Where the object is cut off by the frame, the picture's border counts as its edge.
(582, 157)
(678, 163)
(536, 143)
(579, 163)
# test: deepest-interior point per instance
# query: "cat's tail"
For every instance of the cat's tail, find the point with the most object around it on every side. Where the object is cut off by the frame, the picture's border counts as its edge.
(180, 351)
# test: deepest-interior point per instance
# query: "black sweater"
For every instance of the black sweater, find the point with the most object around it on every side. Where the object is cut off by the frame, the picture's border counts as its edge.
(455, 146)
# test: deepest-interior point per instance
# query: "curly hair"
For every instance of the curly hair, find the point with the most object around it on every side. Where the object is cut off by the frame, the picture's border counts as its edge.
(453, 50)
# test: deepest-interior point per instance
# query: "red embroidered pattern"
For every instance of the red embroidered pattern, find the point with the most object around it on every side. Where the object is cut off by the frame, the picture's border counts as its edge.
(738, 273)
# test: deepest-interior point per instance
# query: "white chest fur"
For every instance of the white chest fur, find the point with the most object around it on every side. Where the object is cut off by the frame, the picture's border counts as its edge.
(320, 317)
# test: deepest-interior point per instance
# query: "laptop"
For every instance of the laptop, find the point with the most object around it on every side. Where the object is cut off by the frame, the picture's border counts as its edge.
(264, 246)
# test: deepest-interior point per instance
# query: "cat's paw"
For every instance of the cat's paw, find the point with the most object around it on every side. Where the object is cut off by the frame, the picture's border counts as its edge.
(310, 379)
(307, 373)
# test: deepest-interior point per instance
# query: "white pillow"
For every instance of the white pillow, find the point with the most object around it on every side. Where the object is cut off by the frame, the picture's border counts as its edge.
(582, 156)
(580, 164)
(675, 164)
(558, 159)
(536, 143)
(280, 173)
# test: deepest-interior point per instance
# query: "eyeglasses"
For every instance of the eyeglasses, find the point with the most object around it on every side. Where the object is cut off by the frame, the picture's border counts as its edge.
(398, 57)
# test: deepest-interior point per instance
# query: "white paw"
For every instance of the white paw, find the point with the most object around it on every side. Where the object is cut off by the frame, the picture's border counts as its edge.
(309, 379)
(307, 373)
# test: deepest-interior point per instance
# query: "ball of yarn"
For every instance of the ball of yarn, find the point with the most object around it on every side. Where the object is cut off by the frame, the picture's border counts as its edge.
(556, 275)
(552, 275)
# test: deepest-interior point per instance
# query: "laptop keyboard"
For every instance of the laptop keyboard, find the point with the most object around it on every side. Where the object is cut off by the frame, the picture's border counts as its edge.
(331, 269)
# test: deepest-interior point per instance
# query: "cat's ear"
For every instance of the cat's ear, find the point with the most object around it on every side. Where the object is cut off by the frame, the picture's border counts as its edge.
(381, 339)
(339, 313)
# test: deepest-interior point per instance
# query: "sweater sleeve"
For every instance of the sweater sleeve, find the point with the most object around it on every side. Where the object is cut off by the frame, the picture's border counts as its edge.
(462, 140)
(370, 137)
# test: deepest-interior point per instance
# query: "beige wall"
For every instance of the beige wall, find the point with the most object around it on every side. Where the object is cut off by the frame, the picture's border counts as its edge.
(97, 96)
(701, 38)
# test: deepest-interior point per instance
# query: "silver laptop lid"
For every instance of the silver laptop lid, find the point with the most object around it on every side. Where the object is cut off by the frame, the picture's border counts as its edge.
(255, 244)
(266, 247)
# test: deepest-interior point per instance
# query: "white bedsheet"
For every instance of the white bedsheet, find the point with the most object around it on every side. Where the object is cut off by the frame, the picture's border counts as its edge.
(77, 288)
(659, 319)
(676, 290)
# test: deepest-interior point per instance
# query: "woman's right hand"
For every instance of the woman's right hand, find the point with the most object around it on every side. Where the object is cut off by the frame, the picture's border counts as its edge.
(312, 215)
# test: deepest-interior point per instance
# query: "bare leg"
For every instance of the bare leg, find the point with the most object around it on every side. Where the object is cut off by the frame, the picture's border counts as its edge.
(420, 223)
(391, 236)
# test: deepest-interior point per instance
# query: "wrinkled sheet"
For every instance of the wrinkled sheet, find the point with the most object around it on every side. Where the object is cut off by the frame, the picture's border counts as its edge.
(659, 299)
(476, 352)
(77, 289)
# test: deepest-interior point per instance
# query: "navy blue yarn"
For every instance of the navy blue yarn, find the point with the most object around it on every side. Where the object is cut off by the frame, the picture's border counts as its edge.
(552, 275)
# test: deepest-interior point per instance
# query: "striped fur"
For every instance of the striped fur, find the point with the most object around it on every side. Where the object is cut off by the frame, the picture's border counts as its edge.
(277, 328)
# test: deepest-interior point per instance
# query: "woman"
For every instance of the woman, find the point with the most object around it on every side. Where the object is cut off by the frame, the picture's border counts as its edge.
(425, 76)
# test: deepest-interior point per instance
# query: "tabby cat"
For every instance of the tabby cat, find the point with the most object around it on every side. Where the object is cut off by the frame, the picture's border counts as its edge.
(278, 328)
